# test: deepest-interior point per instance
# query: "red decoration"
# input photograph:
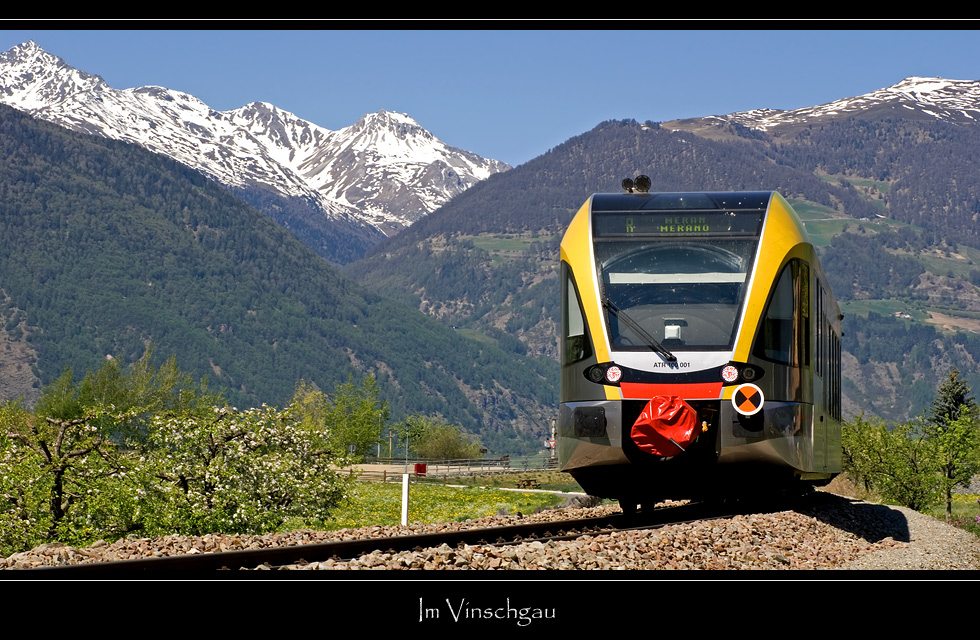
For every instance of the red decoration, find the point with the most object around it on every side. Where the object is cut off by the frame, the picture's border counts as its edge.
(666, 427)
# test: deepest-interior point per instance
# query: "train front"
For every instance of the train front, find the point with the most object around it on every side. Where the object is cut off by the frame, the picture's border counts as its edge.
(661, 298)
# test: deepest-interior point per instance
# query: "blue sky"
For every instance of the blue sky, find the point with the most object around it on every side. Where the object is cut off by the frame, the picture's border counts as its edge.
(512, 95)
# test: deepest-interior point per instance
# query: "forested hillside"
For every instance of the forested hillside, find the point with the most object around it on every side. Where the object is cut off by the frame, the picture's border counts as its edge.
(892, 366)
(107, 248)
(925, 173)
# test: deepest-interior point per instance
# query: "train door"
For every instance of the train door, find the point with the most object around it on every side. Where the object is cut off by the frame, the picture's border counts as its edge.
(783, 349)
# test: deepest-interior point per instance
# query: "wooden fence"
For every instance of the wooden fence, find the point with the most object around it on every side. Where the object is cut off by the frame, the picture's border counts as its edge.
(391, 469)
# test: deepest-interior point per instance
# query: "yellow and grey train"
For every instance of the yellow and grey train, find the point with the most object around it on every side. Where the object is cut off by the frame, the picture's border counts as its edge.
(700, 348)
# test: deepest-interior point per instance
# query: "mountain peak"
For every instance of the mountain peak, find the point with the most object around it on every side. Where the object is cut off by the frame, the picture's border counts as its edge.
(384, 116)
(400, 123)
(24, 51)
(32, 78)
(936, 90)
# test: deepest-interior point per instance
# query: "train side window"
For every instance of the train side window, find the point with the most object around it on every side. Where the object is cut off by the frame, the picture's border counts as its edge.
(818, 358)
(784, 335)
(575, 342)
(835, 374)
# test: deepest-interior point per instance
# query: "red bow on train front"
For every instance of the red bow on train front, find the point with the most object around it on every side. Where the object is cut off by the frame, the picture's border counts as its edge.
(666, 427)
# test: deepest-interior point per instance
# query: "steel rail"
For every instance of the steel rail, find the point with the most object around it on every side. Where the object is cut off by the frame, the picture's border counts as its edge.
(348, 549)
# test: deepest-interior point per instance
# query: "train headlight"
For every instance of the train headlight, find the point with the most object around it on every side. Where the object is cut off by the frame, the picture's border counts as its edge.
(605, 373)
(737, 371)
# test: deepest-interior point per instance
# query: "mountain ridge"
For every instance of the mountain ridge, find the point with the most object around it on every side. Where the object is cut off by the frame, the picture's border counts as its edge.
(370, 179)
(941, 99)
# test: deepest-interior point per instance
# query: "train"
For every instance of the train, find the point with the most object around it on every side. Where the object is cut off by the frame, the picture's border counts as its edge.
(700, 348)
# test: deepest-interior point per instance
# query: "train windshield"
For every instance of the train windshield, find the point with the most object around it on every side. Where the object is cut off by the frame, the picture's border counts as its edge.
(684, 293)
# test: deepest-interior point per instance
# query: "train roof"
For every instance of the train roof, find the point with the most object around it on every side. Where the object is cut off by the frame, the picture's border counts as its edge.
(699, 201)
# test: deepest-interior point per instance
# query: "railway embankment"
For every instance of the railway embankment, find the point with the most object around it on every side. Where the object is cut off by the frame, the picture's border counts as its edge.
(826, 531)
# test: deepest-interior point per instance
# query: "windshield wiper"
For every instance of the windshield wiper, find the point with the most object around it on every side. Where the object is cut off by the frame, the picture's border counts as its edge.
(632, 324)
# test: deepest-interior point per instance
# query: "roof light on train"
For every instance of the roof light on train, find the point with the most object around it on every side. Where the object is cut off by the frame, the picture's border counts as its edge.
(641, 184)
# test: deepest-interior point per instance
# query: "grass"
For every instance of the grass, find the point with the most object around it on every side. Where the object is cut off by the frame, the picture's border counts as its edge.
(379, 504)
(823, 223)
(964, 512)
(547, 480)
(881, 307)
(504, 247)
(507, 243)
(811, 211)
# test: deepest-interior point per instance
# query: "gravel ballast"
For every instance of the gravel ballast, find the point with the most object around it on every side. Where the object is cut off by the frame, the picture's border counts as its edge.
(831, 532)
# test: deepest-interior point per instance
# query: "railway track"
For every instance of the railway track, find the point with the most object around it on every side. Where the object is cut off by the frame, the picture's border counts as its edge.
(347, 549)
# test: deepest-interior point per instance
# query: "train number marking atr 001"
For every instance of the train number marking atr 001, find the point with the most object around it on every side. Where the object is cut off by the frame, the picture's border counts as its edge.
(719, 299)
(748, 399)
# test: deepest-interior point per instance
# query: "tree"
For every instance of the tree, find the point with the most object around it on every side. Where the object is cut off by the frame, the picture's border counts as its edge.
(952, 400)
(141, 449)
(410, 431)
(438, 440)
(957, 445)
(356, 417)
(861, 442)
(238, 472)
(66, 468)
(955, 430)
(900, 463)
(909, 474)
(23, 514)
(310, 409)
(352, 418)
(53, 470)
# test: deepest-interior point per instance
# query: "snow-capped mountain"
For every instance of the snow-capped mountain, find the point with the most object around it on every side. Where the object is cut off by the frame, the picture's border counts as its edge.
(384, 169)
(925, 98)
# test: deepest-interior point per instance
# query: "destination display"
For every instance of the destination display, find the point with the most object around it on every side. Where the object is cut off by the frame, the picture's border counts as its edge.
(673, 223)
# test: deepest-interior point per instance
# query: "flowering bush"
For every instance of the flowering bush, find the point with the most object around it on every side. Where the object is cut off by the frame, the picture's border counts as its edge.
(237, 471)
(53, 473)
(145, 453)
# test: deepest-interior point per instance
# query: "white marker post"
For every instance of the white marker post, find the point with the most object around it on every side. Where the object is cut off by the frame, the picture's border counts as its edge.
(404, 499)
